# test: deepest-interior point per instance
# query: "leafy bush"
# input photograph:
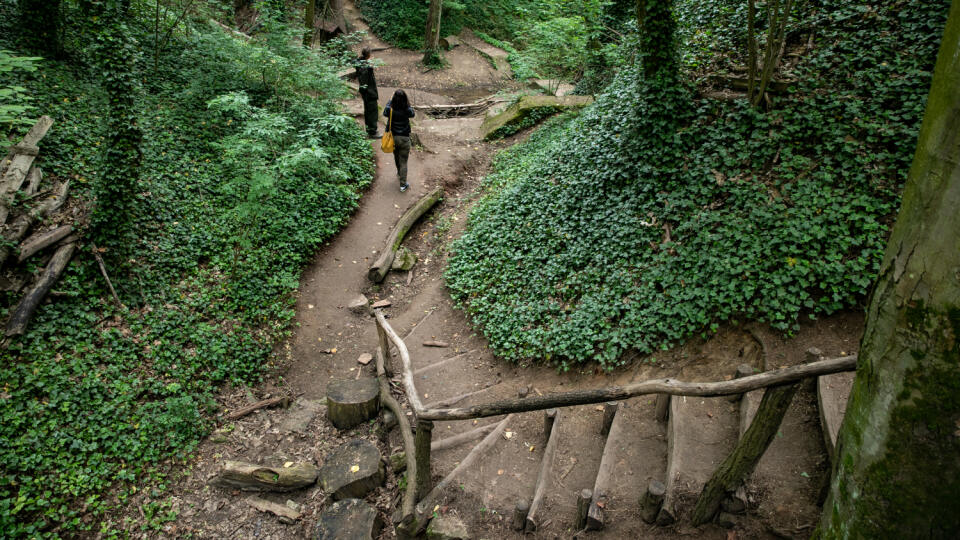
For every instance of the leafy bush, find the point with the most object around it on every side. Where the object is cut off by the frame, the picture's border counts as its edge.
(13, 99)
(653, 215)
(232, 199)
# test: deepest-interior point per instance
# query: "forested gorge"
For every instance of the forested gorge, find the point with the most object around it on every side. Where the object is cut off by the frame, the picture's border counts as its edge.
(743, 161)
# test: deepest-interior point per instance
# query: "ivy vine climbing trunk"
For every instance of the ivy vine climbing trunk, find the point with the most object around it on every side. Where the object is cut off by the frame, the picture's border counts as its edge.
(113, 52)
(431, 39)
(40, 25)
(898, 470)
(658, 39)
(308, 22)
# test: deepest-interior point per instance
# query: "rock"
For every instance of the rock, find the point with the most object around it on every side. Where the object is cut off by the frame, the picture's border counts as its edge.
(725, 520)
(349, 519)
(285, 514)
(523, 391)
(359, 304)
(352, 470)
(502, 123)
(447, 528)
(389, 419)
(398, 462)
(351, 402)
(300, 415)
(364, 359)
(404, 259)
(733, 505)
(382, 304)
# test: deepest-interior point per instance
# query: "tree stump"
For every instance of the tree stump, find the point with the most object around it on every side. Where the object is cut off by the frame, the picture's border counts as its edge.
(349, 519)
(652, 501)
(583, 506)
(351, 402)
(520, 515)
(353, 470)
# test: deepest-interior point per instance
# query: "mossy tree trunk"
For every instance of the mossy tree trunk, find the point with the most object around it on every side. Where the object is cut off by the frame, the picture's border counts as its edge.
(431, 38)
(658, 39)
(898, 466)
(309, 12)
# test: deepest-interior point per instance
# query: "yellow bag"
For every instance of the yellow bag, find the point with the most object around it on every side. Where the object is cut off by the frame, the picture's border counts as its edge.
(386, 144)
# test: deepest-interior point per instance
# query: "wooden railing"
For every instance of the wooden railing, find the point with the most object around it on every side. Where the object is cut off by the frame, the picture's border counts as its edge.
(417, 443)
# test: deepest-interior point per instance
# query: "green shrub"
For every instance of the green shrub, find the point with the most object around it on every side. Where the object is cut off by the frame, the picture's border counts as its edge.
(654, 215)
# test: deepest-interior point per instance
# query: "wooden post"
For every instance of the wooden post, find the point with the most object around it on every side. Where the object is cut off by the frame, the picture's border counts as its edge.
(652, 501)
(520, 515)
(583, 505)
(741, 462)
(663, 407)
(543, 477)
(549, 416)
(422, 447)
(609, 410)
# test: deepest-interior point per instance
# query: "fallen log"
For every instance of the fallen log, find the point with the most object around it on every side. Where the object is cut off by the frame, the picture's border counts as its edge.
(19, 166)
(41, 241)
(654, 386)
(382, 265)
(18, 229)
(543, 477)
(106, 277)
(34, 177)
(31, 301)
(253, 477)
(457, 440)
(262, 404)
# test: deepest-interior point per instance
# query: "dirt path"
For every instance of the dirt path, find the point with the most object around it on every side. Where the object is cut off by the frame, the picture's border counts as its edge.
(328, 338)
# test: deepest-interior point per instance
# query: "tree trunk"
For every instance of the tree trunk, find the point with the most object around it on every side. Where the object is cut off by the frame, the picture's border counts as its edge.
(431, 38)
(898, 473)
(308, 22)
(658, 43)
(40, 23)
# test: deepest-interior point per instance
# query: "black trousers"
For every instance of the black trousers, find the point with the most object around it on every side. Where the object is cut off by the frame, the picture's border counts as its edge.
(370, 114)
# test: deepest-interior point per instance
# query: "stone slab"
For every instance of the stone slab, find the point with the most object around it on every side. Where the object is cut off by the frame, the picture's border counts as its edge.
(447, 527)
(353, 470)
(833, 391)
(349, 519)
(300, 415)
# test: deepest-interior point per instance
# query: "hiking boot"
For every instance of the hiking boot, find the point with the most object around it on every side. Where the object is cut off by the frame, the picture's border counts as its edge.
(374, 135)
(403, 187)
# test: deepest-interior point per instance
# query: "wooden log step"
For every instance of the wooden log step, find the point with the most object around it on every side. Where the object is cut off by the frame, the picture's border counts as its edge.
(382, 265)
(833, 391)
(551, 427)
(43, 240)
(352, 470)
(253, 477)
(28, 305)
(603, 484)
(349, 519)
(351, 402)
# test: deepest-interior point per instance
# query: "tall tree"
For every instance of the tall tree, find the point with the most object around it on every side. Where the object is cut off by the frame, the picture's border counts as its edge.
(114, 52)
(40, 24)
(658, 39)
(898, 466)
(431, 39)
(308, 22)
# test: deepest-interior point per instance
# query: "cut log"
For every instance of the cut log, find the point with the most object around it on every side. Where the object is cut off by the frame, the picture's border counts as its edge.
(655, 386)
(34, 177)
(543, 477)
(601, 487)
(17, 230)
(421, 443)
(19, 166)
(40, 241)
(351, 402)
(285, 513)
(438, 344)
(652, 501)
(349, 519)
(425, 506)
(31, 301)
(352, 470)
(263, 404)
(386, 398)
(741, 462)
(383, 263)
(253, 477)
(583, 506)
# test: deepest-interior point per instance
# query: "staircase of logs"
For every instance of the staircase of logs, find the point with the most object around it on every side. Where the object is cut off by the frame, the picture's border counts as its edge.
(747, 409)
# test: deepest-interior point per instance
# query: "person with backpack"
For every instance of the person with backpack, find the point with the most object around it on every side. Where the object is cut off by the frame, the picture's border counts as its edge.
(368, 91)
(399, 112)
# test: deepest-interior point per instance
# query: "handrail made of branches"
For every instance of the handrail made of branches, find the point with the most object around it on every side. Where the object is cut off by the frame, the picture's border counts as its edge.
(612, 393)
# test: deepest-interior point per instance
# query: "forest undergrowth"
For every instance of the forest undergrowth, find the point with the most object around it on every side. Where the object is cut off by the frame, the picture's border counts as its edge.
(248, 165)
(654, 216)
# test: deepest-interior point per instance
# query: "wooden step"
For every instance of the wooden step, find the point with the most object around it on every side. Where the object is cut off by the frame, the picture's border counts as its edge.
(833, 391)
(701, 432)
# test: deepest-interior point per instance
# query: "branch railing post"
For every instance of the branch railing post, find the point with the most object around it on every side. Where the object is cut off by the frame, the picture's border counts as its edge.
(384, 343)
(422, 445)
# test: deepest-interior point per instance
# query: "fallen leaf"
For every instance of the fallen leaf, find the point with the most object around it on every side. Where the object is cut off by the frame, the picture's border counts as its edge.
(532, 447)
(499, 472)
(288, 464)
(507, 434)
(355, 468)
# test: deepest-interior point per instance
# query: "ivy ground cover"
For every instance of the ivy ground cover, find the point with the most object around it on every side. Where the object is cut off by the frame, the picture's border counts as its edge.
(658, 214)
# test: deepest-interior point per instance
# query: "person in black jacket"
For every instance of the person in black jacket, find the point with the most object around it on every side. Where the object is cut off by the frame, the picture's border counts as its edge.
(368, 91)
(399, 124)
